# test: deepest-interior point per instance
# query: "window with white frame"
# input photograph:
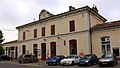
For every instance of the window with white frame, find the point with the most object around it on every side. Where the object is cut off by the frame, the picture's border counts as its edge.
(105, 44)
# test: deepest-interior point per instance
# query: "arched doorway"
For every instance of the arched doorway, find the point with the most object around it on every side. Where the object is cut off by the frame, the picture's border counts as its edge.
(73, 47)
(53, 48)
(43, 51)
(24, 49)
(35, 49)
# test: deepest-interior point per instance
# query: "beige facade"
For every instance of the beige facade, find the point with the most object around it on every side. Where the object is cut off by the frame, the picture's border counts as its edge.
(64, 42)
(11, 49)
(112, 33)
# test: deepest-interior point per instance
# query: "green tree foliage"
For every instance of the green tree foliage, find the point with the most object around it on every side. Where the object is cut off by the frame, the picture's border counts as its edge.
(1, 37)
(1, 50)
(1, 40)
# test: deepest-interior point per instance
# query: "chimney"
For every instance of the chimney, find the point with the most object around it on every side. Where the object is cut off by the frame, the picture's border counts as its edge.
(71, 8)
(95, 8)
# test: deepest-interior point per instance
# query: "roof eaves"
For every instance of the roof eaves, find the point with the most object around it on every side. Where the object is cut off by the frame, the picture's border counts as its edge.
(14, 41)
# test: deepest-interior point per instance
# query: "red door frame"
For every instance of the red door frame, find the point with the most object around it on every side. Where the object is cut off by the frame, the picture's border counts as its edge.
(43, 51)
(73, 47)
(53, 48)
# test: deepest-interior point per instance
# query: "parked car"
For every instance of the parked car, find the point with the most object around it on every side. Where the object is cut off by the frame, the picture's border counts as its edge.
(70, 60)
(108, 59)
(27, 58)
(5, 57)
(88, 59)
(55, 60)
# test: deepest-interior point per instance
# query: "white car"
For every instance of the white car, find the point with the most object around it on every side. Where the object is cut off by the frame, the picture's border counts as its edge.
(70, 60)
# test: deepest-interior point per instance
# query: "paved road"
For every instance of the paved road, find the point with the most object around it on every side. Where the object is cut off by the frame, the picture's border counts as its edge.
(9, 64)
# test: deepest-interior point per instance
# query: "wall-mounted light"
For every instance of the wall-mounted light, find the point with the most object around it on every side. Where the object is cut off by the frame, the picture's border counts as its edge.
(64, 42)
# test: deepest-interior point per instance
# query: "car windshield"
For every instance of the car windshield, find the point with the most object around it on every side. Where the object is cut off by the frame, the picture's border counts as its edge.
(107, 56)
(27, 55)
(87, 56)
(55, 57)
(20, 56)
(71, 56)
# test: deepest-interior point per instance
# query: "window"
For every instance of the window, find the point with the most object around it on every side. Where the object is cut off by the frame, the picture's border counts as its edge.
(12, 48)
(43, 31)
(105, 44)
(35, 33)
(72, 25)
(52, 29)
(6, 49)
(24, 35)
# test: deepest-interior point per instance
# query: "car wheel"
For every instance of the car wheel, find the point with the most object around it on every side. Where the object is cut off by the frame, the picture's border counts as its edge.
(21, 61)
(58, 63)
(100, 65)
(116, 62)
(49, 64)
(113, 64)
(89, 63)
(73, 63)
(1, 59)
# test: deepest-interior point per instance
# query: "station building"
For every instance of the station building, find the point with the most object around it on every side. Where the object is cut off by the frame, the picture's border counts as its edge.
(77, 31)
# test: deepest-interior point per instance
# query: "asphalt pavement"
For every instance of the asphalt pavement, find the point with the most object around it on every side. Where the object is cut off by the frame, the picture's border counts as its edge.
(42, 64)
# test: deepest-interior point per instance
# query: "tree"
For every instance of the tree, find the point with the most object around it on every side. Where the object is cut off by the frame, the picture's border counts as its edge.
(1, 37)
(1, 50)
(1, 40)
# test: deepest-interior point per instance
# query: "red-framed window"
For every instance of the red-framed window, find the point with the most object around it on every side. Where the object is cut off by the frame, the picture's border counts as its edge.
(52, 29)
(43, 31)
(24, 35)
(35, 33)
(72, 25)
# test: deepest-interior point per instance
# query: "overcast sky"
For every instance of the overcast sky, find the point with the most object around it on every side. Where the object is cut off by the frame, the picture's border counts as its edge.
(14, 13)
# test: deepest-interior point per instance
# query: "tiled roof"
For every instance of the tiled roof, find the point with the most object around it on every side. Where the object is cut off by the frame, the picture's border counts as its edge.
(106, 25)
(14, 41)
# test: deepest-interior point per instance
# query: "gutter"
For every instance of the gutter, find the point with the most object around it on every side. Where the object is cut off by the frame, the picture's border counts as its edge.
(90, 33)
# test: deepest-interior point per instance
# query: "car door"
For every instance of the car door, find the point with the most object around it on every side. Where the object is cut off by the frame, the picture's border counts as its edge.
(94, 59)
(27, 58)
(76, 59)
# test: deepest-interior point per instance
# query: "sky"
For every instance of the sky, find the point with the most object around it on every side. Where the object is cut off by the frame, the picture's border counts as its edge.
(14, 13)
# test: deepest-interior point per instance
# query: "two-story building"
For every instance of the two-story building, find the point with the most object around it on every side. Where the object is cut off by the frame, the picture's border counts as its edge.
(77, 31)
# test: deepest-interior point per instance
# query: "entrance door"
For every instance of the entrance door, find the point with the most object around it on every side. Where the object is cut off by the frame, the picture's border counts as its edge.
(43, 49)
(16, 52)
(73, 47)
(116, 51)
(53, 49)
(12, 54)
(24, 49)
(35, 49)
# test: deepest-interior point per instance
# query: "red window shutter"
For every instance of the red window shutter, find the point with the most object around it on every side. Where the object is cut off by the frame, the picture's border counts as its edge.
(35, 33)
(72, 25)
(43, 31)
(24, 35)
(52, 29)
